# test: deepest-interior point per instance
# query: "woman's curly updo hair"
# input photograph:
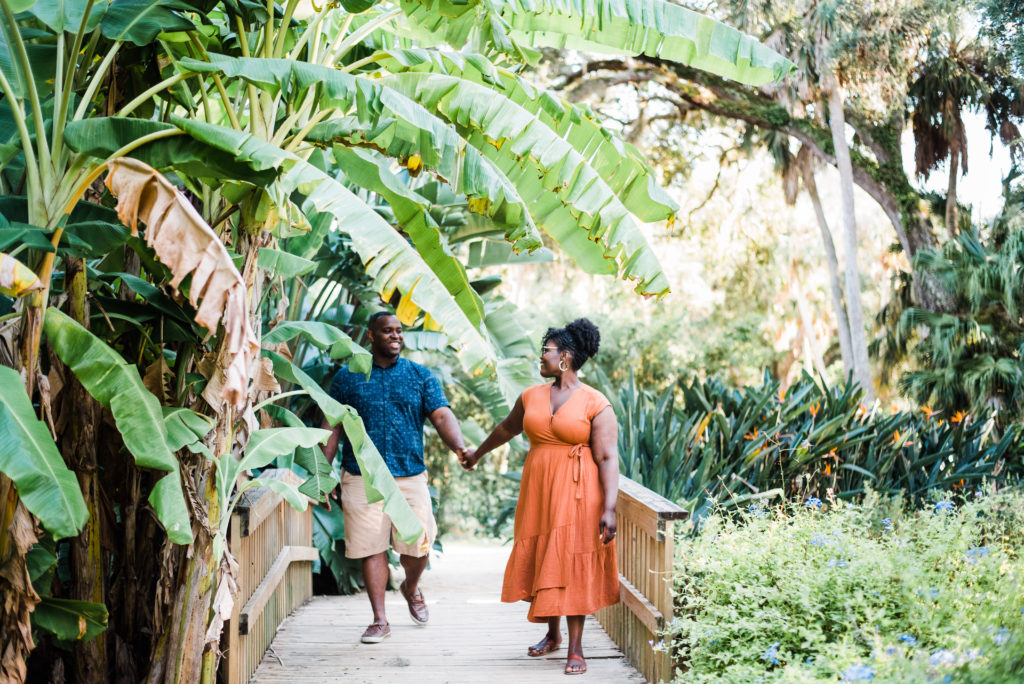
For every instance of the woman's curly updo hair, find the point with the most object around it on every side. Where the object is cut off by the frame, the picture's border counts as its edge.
(581, 337)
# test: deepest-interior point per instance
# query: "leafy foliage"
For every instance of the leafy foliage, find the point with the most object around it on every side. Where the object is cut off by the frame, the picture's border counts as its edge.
(29, 457)
(721, 446)
(967, 359)
(854, 591)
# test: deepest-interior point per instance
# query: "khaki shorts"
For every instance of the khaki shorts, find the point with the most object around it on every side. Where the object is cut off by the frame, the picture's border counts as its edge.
(368, 529)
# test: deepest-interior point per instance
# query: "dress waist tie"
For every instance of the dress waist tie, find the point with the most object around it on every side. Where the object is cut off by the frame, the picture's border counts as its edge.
(575, 454)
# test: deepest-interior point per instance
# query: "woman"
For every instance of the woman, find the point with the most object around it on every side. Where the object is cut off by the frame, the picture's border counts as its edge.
(563, 558)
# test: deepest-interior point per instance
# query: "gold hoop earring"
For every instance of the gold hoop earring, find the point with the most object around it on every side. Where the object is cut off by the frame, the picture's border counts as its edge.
(562, 366)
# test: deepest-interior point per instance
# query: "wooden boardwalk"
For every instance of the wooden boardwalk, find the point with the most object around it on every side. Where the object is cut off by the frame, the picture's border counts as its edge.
(472, 637)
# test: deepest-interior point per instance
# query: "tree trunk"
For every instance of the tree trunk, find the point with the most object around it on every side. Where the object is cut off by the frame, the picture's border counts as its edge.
(952, 215)
(178, 647)
(832, 264)
(79, 446)
(17, 597)
(854, 307)
(807, 328)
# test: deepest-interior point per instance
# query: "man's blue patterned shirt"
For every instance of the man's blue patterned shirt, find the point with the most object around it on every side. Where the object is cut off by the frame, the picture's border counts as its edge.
(393, 404)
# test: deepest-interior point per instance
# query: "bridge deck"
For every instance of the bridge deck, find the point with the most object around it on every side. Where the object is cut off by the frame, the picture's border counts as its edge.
(472, 636)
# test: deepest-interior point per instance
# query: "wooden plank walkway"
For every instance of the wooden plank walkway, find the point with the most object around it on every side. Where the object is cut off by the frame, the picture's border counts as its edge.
(472, 636)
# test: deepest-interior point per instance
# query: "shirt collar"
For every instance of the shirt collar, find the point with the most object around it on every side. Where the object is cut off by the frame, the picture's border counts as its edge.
(394, 365)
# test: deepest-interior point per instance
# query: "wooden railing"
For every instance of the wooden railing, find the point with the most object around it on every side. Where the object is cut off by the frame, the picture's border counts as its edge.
(273, 544)
(645, 545)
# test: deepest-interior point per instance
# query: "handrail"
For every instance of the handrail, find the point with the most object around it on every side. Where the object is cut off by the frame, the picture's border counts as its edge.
(645, 542)
(273, 544)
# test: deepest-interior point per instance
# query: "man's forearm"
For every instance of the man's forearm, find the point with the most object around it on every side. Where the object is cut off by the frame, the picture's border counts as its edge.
(447, 427)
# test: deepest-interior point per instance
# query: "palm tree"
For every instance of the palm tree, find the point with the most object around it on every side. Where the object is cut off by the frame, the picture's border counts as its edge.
(956, 76)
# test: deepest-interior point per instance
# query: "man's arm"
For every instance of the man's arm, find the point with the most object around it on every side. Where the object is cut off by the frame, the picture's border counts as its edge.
(331, 448)
(447, 427)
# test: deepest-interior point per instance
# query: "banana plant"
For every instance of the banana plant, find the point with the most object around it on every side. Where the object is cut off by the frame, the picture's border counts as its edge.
(284, 131)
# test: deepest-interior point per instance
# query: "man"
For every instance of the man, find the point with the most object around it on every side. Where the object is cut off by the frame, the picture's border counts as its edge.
(393, 404)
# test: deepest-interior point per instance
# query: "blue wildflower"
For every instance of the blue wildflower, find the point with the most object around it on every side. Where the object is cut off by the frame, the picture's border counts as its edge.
(812, 502)
(818, 539)
(1002, 636)
(908, 639)
(944, 506)
(856, 673)
(837, 563)
(942, 657)
(972, 555)
(947, 679)
(772, 654)
(887, 524)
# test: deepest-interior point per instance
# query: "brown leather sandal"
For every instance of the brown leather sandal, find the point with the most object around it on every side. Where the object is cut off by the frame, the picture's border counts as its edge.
(573, 656)
(547, 645)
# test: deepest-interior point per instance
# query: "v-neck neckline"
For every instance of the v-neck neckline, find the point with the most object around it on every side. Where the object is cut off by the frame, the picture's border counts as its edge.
(554, 413)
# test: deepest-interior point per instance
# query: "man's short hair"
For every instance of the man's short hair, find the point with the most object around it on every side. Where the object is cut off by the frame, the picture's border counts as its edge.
(377, 316)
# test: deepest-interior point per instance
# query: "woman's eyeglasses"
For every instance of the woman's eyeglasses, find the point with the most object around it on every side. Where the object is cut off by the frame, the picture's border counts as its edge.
(545, 350)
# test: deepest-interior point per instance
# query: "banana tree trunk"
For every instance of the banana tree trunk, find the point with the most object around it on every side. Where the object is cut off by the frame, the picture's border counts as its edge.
(79, 446)
(854, 306)
(832, 264)
(177, 653)
(17, 597)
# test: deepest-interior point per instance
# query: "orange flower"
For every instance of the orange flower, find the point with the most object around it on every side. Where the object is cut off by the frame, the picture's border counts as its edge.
(862, 411)
(958, 417)
(814, 409)
(828, 468)
(928, 412)
(782, 395)
(895, 436)
(751, 435)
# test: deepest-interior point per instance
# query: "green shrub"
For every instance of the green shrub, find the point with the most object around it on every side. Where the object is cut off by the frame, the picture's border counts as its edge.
(808, 592)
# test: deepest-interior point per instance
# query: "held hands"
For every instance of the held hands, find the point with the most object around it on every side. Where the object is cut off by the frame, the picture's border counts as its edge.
(468, 458)
(606, 528)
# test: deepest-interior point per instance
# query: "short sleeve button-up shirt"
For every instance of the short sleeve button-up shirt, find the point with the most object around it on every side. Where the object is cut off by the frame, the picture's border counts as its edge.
(393, 404)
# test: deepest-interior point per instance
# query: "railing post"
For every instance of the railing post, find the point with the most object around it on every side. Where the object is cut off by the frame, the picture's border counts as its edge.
(646, 546)
(273, 545)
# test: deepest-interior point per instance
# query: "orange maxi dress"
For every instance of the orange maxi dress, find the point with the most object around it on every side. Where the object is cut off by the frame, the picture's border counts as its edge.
(558, 562)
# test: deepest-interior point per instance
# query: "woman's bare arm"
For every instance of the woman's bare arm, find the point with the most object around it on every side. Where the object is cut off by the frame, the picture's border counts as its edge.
(604, 445)
(502, 433)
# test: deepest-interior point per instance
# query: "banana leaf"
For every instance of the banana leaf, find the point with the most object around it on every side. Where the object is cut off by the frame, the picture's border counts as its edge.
(655, 28)
(283, 264)
(621, 165)
(29, 457)
(323, 335)
(70, 620)
(368, 171)
(116, 385)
